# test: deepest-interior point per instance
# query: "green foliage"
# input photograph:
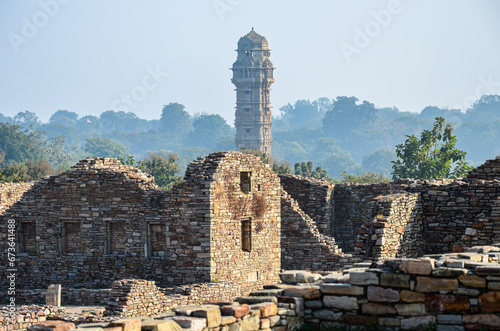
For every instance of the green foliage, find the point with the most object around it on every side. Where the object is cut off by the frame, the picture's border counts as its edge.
(24, 172)
(163, 167)
(209, 129)
(346, 114)
(432, 156)
(306, 169)
(175, 120)
(379, 162)
(364, 178)
(278, 166)
(103, 147)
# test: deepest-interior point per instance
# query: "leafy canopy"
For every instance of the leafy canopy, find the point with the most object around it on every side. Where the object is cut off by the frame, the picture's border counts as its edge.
(432, 156)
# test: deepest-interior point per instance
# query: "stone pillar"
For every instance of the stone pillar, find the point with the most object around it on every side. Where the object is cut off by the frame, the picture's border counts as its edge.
(53, 296)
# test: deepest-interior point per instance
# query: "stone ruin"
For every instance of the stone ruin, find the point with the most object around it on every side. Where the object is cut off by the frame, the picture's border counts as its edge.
(229, 226)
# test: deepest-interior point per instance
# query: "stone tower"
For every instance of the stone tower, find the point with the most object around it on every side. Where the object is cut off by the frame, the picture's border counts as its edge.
(253, 76)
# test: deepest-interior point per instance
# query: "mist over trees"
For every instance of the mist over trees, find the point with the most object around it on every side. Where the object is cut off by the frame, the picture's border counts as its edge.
(344, 136)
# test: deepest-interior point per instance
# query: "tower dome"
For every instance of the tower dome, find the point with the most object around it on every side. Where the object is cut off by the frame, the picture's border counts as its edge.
(251, 41)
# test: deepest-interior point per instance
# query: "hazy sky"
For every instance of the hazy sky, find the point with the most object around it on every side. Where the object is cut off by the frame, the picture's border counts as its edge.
(92, 56)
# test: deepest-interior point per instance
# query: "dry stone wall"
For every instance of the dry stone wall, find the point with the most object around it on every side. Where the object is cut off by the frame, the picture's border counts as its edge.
(101, 220)
(313, 196)
(10, 193)
(406, 218)
(303, 246)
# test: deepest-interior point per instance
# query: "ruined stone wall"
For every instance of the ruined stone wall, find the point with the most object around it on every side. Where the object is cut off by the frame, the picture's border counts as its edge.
(10, 193)
(395, 231)
(102, 220)
(303, 246)
(246, 223)
(139, 297)
(313, 197)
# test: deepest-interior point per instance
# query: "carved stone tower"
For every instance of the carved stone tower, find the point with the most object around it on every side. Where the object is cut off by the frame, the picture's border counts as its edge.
(253, 76)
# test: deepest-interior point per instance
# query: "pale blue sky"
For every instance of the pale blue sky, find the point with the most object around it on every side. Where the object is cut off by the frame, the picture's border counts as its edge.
(87, 56)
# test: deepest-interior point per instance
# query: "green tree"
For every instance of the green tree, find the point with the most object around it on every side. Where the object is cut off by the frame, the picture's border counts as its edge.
(432, 156)
(175, 120)
(163, 167)
(64, 117)
(278, 166)
(209, 129)
(103, 147)
(364, 178)
(306, 169)
(19, 145)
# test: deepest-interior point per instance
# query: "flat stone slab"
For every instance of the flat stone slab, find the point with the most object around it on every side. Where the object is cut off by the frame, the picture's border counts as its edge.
(251, 300)
(193, 323)
(267, 292)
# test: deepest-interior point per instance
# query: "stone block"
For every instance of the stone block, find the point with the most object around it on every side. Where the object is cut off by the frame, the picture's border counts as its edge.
(165, 325)
(446, 327)
(472, 281)
(427, 284)
(313, 304)
(225, 320)
(53, 295)
(495, 286)
(449, 319)
(395, 280)
(411, 309)
(417, 266)
(289, 276)
(340, 302)
(389, 322)
(444, 303)
(237, 311)
(490, 302)
(307, 277)
(127, 324)
(251, 324)
(341, 289)
(266, 309)
(419, 323)
(327, 315)
(478, 321)
(409, 296)
(363, 278)
(371, 308)
(306, 292)
(359, 320)
(193, 323)
(380, 294)
(211, 313)
(448, 272)
(488, 270)
(52, 326)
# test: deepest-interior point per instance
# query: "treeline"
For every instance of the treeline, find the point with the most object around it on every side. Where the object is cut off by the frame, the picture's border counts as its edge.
(342, 134)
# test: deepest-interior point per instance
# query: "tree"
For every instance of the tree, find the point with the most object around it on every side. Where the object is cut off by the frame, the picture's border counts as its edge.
(432, 156)
(175, 120)
(364, 178)
(346, 114)
(379, 161)
(26, 119)
(306, 169)
(209, 129)
(163, 167)
(19, 145)
(278, 166)
(103, 147)
(64, 117)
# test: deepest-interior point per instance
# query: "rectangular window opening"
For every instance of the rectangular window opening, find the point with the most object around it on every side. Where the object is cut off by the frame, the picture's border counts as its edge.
(245, 182)
(116, 238)
(246, 235)
(157, 240)
(71, 237)
(27, 237)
